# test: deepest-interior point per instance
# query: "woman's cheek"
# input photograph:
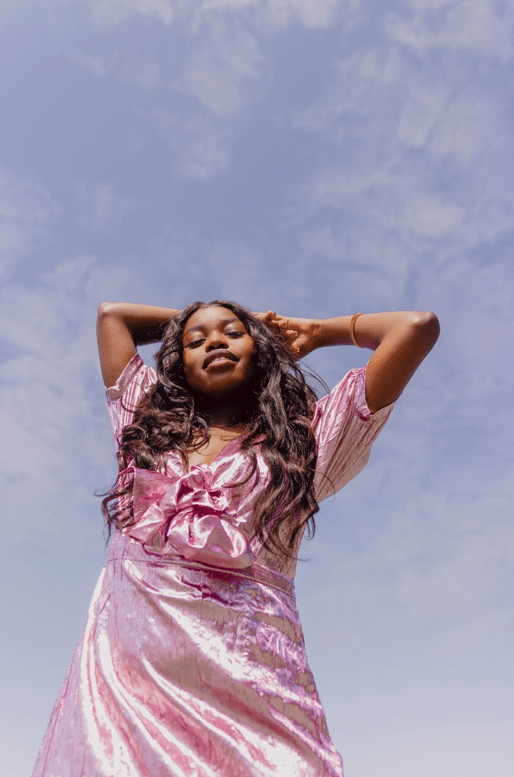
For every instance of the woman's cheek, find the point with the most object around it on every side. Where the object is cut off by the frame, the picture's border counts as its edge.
(189, 372)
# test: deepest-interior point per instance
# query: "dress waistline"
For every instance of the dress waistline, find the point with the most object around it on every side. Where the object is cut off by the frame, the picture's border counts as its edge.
(257, 572)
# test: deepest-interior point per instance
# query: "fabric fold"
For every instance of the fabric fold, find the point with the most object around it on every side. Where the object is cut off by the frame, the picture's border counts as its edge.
(189, 516)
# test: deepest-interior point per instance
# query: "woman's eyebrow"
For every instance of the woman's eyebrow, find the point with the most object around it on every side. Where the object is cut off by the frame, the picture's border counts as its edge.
(203, 327)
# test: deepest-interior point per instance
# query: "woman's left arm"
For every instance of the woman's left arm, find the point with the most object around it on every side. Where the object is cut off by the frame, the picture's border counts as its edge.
(400, 342)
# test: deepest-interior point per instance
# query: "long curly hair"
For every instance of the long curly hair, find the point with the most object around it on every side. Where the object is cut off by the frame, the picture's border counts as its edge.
(279, 409)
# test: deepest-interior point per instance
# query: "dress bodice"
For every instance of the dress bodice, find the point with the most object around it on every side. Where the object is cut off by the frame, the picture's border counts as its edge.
(200, 514)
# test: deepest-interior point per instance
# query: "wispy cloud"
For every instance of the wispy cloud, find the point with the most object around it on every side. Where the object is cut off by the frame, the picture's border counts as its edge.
(222, 63)
(111, 12)
(311, 13)
(436, 175)
(51, 390)
(27, 209)
(205, 150)
(225, 56)
(481, 28)
(277, 13)
(102, 207)
(141, 69)
(201, 142)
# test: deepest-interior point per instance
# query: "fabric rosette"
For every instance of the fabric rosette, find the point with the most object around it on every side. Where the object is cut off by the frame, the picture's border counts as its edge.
(188, 516)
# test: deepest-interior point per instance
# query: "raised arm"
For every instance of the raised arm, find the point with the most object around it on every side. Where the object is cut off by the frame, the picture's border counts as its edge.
(121, 327)
(400, 342)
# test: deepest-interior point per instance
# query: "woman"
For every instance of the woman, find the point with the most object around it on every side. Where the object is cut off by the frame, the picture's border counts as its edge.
(192, 662)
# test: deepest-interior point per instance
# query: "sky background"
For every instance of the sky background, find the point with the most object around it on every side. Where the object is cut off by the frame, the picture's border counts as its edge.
(317, 157)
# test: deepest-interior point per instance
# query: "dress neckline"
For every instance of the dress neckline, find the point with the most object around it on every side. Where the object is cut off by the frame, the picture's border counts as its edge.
(233, 443)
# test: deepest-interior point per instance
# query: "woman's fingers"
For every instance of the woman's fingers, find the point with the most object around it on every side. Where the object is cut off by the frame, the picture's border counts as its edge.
(269, 318)
(276, 321)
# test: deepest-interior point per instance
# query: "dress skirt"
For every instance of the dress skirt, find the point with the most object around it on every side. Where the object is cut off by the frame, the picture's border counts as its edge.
(187, 670)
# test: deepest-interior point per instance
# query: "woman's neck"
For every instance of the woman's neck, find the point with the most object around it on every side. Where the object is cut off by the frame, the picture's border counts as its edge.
(225, 415)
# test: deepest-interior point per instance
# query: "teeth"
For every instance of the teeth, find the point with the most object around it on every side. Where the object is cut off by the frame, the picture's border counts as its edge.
(220, 359)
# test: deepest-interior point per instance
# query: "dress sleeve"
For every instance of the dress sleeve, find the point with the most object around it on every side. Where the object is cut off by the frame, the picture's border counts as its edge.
(123, 397)
(345, 430)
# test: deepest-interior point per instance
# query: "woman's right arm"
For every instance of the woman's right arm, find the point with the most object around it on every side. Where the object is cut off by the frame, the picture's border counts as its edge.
(121, 327)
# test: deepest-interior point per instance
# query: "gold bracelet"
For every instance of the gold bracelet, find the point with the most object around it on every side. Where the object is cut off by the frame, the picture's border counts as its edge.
(352, 329)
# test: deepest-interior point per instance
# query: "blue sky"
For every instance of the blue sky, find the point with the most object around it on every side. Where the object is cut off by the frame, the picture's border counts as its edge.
(314, 157)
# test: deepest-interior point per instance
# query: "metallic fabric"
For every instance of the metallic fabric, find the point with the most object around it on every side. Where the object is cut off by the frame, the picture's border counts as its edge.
(189, 515)
(192, 662)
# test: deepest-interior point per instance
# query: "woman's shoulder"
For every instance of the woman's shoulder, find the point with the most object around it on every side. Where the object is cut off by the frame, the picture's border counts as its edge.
(345, 429)
(345, 407)
(347, 392)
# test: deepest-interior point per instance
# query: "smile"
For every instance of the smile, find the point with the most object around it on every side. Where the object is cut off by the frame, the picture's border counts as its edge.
(219, 358)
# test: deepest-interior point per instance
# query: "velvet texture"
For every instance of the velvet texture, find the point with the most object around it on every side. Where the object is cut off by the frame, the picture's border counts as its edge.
(192, 662)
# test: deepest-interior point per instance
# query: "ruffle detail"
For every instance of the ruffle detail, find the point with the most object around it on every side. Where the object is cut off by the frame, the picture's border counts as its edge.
(188, 516)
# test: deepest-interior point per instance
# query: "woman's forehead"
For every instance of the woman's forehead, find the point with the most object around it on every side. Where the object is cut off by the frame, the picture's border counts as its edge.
(213, 315)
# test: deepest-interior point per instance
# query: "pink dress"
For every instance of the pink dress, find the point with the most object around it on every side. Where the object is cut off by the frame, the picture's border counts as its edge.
(192, 661)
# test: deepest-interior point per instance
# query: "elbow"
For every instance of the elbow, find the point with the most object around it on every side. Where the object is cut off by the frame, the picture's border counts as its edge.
(105, 309)
(426, 326)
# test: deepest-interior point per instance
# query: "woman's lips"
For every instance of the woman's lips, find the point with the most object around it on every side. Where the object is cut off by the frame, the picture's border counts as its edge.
(219, 358)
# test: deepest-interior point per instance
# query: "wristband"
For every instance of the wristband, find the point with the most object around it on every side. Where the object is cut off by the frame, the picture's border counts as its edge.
(352, 329)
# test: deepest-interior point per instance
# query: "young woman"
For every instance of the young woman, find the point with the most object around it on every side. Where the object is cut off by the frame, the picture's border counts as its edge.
(192, 662)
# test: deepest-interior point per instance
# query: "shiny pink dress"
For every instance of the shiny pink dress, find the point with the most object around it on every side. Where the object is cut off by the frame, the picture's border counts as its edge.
(192, 662)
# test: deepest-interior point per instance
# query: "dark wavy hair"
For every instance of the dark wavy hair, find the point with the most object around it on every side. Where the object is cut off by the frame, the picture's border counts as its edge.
(280, 406)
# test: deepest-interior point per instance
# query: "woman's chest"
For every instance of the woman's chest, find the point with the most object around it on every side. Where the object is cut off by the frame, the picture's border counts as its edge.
(236, 477)
(212, 448)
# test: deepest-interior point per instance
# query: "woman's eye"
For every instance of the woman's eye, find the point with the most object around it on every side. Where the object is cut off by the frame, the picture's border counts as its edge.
(235, 333)
(194, 343)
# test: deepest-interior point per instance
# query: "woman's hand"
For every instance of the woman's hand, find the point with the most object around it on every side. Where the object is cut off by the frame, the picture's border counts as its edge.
(300, 333)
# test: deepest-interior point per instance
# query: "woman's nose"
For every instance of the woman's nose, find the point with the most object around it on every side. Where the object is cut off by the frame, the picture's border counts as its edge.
(216, 340)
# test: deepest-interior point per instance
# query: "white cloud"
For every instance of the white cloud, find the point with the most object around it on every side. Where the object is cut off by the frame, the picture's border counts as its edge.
(205, 150)
(222, 53)
(419, 151)
(278, 13)
(208, 6)
(101, 206)
(220, 63)
(96, 64)
(311, 13)
(223, 59)
(479, 27)
(26, 210)
(140, 69)
(275, 13)
(201, 142)
(107, 13)
(55, 441)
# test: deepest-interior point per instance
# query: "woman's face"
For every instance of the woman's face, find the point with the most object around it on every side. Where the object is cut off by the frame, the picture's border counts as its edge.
(217, 352)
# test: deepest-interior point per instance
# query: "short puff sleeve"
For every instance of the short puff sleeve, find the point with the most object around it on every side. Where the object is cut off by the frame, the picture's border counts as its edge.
(345, 430)
(124, 396)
